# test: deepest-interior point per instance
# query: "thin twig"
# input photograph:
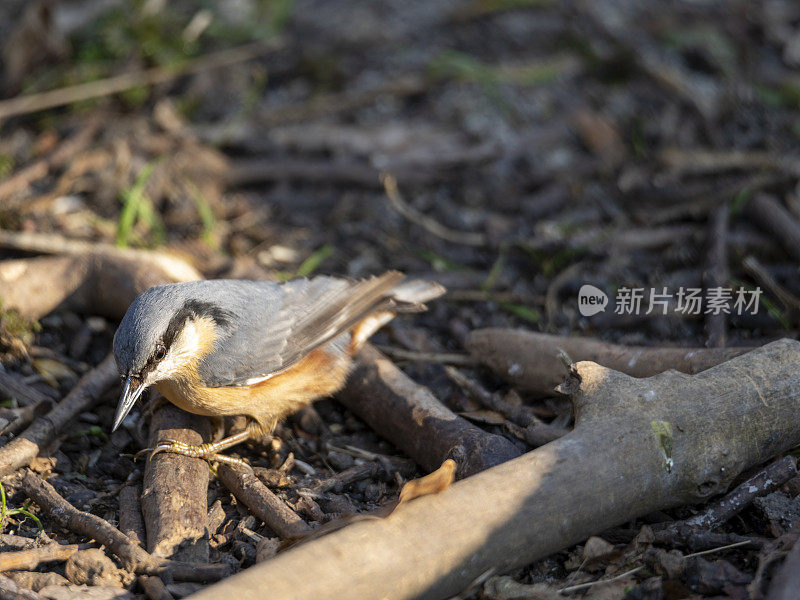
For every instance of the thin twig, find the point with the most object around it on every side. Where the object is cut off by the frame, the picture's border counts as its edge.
(50, 501)
(720, 549)
(263, 503)
(428, 223)
(583, 586)
(23, 449)
(717, 274)
(21, 105)
(764, 482)
(448, 358)
(130, 554)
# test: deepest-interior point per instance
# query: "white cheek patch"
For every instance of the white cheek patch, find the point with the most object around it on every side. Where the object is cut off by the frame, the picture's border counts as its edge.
(186, 347)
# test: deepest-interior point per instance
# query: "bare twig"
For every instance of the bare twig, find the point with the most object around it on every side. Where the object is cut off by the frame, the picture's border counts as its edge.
(87, 524)
(24, 448)
(717, 274)
(791, 302)
(699, 539)
(31, 559)
(356, 473)
(21, 105)
(409, 416)
(428, 223)
(131, 522)
(535, 431)
(773, 217)
(173, 267)
(263, 503)
(449, 358)
(768, 480)
(529, 360)
(132, 556)
(12, 387)
(588, 584)
(175, 488)
(154, 588)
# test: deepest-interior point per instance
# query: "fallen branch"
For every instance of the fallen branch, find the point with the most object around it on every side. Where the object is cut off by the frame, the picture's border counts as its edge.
(699, 539)
(761, 484)
(376, 468)
(12, 387)
(717, 274)
(263, 503)
(62, 512)
(534, 431)
(430, 224)
(131, 555)
(531, 361)
(31, 559)
(154, 588)
(175, 488)
(96, 283)
(131, 522)
(773, 217)
(639, 445)
(21, 105)
(20, 451)
(410, 417)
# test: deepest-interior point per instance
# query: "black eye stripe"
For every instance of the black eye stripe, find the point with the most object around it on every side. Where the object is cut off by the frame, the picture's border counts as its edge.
(196, 308)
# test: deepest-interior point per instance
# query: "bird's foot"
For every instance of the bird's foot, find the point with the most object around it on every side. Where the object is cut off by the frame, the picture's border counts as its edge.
(208, 452)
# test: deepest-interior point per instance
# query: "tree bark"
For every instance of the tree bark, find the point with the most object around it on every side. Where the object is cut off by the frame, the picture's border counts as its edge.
(412, 418)
(639, 445)
(530, 360)
(174, 497)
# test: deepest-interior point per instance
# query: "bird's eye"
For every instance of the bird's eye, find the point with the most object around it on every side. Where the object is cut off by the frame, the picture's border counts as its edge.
(161, 352)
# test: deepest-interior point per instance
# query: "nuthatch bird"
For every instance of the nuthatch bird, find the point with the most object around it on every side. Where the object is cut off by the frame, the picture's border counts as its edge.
(255, 348)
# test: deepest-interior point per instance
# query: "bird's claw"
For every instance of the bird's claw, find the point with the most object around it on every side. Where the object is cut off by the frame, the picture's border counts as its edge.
(205, 451)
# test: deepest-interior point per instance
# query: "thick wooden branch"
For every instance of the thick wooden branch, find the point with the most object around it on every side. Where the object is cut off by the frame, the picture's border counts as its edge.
(263, 503)
(639, 445)
(410, 417)
(101, 282)
(174, 496)
(531, 361)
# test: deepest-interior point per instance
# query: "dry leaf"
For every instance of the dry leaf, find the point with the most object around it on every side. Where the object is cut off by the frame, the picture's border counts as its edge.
(52, 371)
(435, 482)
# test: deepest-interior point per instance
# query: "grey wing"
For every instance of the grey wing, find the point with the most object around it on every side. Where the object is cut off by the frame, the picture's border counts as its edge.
(306, 314)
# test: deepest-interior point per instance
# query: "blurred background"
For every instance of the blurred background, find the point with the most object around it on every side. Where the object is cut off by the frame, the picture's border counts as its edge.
(514, 150)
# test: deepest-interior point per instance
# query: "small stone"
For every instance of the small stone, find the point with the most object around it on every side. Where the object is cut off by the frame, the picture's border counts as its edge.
(597, 548)
(266, 549)
(93, 567)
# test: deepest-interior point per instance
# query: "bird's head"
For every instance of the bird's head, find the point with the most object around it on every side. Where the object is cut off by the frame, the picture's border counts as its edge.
(165, 333)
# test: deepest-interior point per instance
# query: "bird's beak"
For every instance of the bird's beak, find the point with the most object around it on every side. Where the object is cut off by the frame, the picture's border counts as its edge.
(130, 394)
